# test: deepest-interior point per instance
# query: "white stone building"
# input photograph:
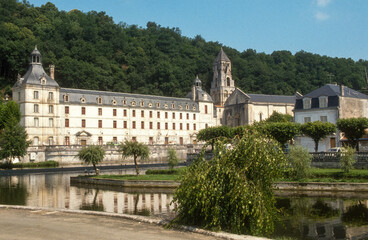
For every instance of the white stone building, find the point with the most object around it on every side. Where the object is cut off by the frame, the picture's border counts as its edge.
(53, 115)
(328, 104)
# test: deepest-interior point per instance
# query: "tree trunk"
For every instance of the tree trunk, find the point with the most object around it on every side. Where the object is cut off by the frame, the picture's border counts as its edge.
(95, 167)
(316, 146)
(136, 165)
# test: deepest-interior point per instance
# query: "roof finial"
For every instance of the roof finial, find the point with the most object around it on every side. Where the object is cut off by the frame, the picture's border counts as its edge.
(36, 47)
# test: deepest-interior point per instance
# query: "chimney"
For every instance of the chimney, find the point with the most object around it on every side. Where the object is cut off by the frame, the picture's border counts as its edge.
(342, 90)
(194, 92)
(52, 71)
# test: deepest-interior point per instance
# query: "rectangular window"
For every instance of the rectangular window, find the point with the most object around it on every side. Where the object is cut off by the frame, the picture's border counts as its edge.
(307, 119)
(158, 125)
(99, 123)
(151, 125)
(306, 103)
(187, 126)
(142, 113)
(323, 101)
(125, 124)
(35, 108)
(142, 125)
(181, 126)
(115, 140)
(100, 111)
(66, 109)
(194, 126)
(181, 115)
(187, 116)
(150, 114)
(125, 113)
(35, 95)
(166, 126)
(173, 126)
(66, 122)
(166, 114)
(51, 95)
(83, 111)
(35, 122)
(133, 124)
(100, 140)
(181, 140)
(114, 112)
(114, 124)
(67, 142)
(133, 113)
(323, 118)
(173, 115)
(194, 116)
(150, 140)
(83, 123)
(158, 114)
(205, 109)
(35, 141)
(51, 122)
(51, 109)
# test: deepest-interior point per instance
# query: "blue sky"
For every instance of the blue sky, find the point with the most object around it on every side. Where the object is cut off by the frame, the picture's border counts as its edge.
(336, 28)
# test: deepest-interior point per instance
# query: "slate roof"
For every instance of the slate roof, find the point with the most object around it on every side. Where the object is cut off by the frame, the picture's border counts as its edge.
(108, 98)
(221, 56)
(201, 95)
(335, 90)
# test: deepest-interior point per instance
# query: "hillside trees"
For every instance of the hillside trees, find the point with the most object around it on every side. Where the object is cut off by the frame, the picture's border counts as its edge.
(90, 51)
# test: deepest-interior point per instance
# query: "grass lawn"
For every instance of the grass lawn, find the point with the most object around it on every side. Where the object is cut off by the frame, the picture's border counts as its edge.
(170, 177)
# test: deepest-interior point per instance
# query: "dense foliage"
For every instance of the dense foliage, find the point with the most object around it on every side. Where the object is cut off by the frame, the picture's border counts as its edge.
(279, 117)
(282, 132)
(92, 155)
(134, 149)
(317, 131)
(347, 159)
(299, 160)
(173, 159)
(353, 129)
(211, 134)
(90, 51)
(232, 191)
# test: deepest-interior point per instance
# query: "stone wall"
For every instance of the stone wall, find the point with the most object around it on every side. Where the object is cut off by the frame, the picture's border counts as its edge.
(68, 154)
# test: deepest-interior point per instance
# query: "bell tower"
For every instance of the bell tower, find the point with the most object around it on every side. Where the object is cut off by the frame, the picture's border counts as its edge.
(222, 83)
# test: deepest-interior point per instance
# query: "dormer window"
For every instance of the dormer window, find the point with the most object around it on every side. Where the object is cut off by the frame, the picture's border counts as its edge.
(66, 98)
(124, 102)
(323, 102)
(173, 105)
(83, 100)
(99, 100)
(43, 80)
(307, 103)
(158, 104)
(141, 104)
(133, 103)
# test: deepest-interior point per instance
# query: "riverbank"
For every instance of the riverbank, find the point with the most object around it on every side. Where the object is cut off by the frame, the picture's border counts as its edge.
(280, 186)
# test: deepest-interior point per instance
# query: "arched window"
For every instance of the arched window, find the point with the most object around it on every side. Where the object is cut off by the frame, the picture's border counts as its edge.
(228, 82)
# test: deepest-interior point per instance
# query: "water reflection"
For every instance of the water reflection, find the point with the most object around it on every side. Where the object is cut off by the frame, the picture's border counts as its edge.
(300, 217)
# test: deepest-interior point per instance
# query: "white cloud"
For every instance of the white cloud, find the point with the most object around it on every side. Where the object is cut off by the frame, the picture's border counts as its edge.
(321, 16)
(323, 3)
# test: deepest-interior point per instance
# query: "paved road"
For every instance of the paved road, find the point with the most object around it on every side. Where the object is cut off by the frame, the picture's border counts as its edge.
(54, 225)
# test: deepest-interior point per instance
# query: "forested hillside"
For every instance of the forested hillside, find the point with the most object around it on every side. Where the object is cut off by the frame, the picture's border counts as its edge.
(90, 51)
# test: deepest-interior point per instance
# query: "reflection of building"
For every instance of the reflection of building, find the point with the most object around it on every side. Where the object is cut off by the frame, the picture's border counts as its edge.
(328, 104)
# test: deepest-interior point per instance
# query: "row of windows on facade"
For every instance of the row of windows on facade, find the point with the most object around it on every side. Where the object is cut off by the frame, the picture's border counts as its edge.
(125, 124)
(132, 103)
(321, 118)
(36, 95)
(323, 102)
(36, 140)
(114, 112)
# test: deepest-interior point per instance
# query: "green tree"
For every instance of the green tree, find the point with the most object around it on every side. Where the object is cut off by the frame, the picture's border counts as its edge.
(134, 149)
(281, 131)
(232, 191)
(347, 159)
(173, 158)
(13, 141)
(353, 129)
(317, 131)
(9, 113)
(210, 134)
(299, 160)
(92, 155)
(279, 117)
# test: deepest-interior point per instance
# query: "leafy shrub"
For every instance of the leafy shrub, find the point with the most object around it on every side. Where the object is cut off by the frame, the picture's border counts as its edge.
(299, 160)
(173, 158)
(46, 164)
(233, 190)
(347, 159)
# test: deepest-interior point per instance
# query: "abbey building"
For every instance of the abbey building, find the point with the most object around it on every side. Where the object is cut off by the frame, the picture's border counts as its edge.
(53, 115)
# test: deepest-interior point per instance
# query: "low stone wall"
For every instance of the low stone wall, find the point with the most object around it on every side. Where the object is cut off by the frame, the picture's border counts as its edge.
(314, 186)
(68, 154)
(125, 183)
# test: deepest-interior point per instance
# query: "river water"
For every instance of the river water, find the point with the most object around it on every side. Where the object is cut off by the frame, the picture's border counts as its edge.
(316, 216)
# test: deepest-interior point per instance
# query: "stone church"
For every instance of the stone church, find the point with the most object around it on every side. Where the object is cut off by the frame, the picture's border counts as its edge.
(54, 116)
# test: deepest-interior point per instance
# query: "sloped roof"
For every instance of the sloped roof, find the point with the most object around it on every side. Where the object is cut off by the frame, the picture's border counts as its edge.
(221, 56)
(33, 76)
(335, 90)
